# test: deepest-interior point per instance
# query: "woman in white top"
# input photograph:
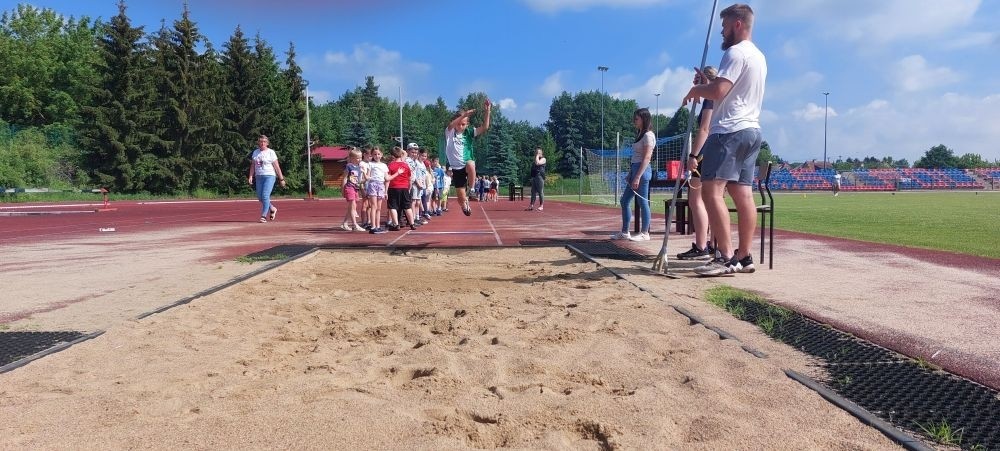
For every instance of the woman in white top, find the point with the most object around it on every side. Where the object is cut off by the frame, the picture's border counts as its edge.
(637, 183)
(264, 168)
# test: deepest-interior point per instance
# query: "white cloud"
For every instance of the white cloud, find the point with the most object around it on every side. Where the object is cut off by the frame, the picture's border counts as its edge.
(388, 67)
(320, 97)
(813, 112)
(874, 21)
(672, 84)
(904, 127)
(507, 104)
(553, 85)
(555, 6)
(912, 73)
(806, 84)
(968, 40)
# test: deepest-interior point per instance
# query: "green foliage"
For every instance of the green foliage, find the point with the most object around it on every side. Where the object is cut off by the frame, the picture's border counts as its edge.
(766, 155)
(938, 156)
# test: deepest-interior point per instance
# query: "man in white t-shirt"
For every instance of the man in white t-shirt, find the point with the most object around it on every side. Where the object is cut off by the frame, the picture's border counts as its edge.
(730, 152)
(836, 184)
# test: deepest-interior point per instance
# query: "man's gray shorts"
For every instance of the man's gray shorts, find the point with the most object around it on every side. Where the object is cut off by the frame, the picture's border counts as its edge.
(731, 156)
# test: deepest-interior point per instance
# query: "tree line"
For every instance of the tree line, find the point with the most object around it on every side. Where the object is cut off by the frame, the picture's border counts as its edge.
(87, 103)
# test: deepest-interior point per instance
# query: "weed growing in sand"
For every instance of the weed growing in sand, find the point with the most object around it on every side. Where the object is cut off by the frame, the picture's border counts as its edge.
(845, 380)
(4, 327)
(943, 433)
(260, 258)
(750, 307)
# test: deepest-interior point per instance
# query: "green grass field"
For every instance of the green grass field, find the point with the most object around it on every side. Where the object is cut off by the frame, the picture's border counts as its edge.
(964, 222)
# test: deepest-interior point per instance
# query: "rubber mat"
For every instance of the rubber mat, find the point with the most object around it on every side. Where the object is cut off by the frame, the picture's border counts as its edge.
(909, 394)
(15, 346)
(594, 248)
(280, 252)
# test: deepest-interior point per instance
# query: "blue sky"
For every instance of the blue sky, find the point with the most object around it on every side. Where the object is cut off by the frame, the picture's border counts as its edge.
(903, 75)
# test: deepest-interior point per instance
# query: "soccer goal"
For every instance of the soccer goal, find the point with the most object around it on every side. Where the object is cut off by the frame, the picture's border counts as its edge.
(608, 168)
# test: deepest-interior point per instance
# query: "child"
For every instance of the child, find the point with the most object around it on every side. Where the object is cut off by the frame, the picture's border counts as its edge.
(366, 203)
(438, 193)
(350, 187)
(494, 187)
(445, 190)
(377, 174)
(458, 148)
(399, 190)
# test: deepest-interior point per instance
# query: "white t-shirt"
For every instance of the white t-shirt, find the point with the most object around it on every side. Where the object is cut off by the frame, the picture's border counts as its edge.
(377, 172)
(447, 182)
(647, 141)
(744, 65)
(458, 147)
(263, 161)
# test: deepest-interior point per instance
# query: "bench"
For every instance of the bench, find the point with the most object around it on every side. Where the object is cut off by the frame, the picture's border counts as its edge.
(516, 190)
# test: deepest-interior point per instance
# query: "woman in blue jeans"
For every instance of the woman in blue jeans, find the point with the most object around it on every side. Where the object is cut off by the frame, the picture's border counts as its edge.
(264, 169)
(637, 183)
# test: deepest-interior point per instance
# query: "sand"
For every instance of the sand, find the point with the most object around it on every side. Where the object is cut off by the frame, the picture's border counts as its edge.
(520, 348)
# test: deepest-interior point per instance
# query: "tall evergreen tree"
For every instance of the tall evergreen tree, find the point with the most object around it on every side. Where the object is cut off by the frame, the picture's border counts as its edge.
(115, 134)
(207, 152)
(242, 117)
(290, 127)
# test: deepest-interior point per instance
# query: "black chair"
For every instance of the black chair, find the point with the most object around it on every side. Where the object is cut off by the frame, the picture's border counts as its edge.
(766, 211)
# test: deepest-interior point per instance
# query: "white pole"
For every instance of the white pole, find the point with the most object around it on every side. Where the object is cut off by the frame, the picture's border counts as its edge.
(580, 192)
(400, 116)
(618, 165)
(308, 146)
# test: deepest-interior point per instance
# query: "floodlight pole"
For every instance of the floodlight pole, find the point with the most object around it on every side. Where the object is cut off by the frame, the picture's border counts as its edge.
(826, 111)
(400, 116)
(308, 143)
(603, 69)
(657, 114)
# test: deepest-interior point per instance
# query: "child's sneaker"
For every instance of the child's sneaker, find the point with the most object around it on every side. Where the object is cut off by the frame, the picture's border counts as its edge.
(746, 265)
(695, 254)
(622, 236)
(346, 227)
(541, 208)
(358, 228)
(466, 209)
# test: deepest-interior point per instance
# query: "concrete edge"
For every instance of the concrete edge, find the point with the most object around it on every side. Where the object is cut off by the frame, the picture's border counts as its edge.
(52, 350)
(231, 282)
(902, 438)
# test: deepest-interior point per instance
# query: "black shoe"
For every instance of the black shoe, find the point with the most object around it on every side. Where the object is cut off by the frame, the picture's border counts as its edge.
(393, 227)
(381, 230)
(695, 254)
(746, 264)
(413, 227)
(467, 210)
(372, 230)
(719, 266)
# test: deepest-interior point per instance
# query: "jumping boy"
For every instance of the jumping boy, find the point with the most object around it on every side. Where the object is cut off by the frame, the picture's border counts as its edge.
(458, 149)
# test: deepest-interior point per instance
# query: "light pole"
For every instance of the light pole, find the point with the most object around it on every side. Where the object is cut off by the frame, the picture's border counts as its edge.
(826, 111)
(657, 114)
(305, 83)
(603, 69)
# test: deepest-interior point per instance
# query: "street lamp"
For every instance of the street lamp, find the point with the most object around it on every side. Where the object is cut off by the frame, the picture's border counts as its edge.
(305, 83)
(657, 114)
(603, 69)
(826, 111)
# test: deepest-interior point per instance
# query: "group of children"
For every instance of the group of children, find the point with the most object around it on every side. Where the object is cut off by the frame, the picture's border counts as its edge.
(486, 188)
(411, 185)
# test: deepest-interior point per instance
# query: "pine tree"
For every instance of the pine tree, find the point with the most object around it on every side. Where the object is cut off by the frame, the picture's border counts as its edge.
(291, 128)
(207, 151)
(180, 118)
(114, 136)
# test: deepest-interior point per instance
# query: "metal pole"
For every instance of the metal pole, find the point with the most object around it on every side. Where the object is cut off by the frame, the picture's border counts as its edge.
(308, 144)
(580, 192)
(603, 69)
(826, 110)
(400, 116)
(618, 165)
(657, 114)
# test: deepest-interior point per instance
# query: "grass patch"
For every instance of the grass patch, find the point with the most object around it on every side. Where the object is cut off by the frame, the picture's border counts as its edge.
(942, 433)
(955, 221)
(260, 258)
(4, 327)
(750, 307)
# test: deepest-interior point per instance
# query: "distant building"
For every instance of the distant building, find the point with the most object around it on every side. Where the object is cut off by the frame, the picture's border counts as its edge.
(332, 159)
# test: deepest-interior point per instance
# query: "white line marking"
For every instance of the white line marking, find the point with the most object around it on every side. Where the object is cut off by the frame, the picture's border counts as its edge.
(398, 238)
(451, 233)
(497, 235)
(25, 207)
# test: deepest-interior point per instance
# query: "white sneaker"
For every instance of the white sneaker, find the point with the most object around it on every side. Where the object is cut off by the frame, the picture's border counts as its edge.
(540, 208)
(644, 236)
(621, 236)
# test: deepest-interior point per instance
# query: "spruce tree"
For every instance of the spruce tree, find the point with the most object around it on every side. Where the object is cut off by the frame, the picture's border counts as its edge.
(242, 118)
(114, 135)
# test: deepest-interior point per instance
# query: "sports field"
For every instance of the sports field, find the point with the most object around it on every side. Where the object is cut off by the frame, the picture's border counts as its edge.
(964, 222)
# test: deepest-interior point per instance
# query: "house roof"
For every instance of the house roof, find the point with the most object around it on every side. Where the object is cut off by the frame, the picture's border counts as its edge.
(334, 153)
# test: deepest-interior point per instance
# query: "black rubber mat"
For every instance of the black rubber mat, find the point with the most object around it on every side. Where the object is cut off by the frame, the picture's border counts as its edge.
(280, 252)
(594, 248)
(15, 346)
(899, 390)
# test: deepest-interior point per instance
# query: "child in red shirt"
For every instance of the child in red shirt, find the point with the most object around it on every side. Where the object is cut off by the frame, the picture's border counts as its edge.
(399, 190)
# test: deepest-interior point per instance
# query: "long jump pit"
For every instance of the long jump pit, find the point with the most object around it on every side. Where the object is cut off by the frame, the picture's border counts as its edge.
(430, 349)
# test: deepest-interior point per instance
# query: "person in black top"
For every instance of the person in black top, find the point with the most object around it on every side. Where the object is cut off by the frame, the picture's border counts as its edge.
(537, 180)
(702, 247)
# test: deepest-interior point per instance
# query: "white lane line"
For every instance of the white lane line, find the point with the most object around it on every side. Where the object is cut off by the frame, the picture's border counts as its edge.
(451, 233)
(495, 234)
(26, 207)
(398, 238)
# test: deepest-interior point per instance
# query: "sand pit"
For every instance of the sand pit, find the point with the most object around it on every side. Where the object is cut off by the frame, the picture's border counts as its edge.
(500, 348)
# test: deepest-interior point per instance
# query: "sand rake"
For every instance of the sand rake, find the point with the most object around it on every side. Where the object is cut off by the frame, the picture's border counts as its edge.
(660, 264)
